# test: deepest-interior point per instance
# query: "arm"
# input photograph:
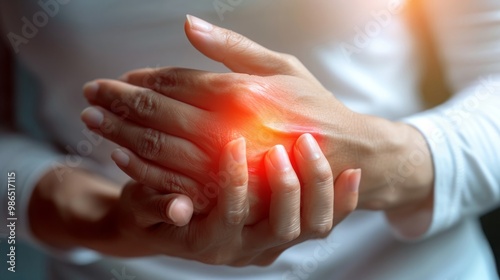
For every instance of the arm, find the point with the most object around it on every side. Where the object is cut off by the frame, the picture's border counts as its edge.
(463, 133)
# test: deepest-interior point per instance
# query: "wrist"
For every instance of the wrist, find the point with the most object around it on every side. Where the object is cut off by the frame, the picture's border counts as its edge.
(411, 175)
(395, 159)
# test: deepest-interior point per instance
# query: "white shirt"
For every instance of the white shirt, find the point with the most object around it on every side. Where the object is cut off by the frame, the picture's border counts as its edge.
(364, 52)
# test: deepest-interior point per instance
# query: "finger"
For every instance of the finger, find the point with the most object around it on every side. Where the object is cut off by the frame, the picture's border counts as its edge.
(232, 204)
(346, 194)
(162, 179)
(146, 107)
(284, 212)
(197, 88)
(239, 53)
(168, 151)
(150, 207)
(317, 188)
(283, 224)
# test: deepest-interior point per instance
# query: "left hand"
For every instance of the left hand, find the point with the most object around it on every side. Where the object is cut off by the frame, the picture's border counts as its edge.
(179, 119)
(298, 212)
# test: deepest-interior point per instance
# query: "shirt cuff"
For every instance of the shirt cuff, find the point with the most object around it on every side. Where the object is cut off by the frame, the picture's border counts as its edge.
(448, 170)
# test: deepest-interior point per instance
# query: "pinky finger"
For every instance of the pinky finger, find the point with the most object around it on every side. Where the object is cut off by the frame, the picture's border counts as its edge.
(346, 194)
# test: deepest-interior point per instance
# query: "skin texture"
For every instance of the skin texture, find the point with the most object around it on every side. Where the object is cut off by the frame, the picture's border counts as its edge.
(174, 122)
(136, 221)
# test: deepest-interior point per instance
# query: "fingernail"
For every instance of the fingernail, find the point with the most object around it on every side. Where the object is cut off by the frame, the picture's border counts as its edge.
(92, 117)
(309, 148)
(90, 90)
(120, 157)
(354, 180)
(279, 158)
(180, 212)
(199, 24)
(238, 151)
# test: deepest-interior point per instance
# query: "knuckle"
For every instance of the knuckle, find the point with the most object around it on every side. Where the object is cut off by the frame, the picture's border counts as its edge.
(235, 42)
(290, 60)
(289, 185)
(168, 78)
(243, 92)
(319, 230)
(236, 217)
(238, 175)
(144, 103)
(150, 144)
(228, 84)
(323, 176)
(149, 79)
(171, 182)
(143, 174)
(285, 235)
(114, 130)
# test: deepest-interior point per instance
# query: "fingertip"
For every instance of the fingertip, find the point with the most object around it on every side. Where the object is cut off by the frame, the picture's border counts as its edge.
(90, 90)
(308, 147)
(277, 157)
(354, 180)
(180, 211)
(238, 150)
(198, 24)
(92, 117)
(120, 157)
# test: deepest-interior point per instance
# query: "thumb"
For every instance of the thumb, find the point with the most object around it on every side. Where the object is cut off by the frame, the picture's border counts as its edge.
(151, 207)
(239, 53)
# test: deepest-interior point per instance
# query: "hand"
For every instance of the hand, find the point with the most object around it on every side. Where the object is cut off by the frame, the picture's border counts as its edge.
(87, 211)
(272, 101)
(297, 213)
(81, 210)
(187, 137)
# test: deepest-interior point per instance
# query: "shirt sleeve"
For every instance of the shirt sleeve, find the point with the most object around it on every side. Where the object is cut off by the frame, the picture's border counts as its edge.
(464, 133)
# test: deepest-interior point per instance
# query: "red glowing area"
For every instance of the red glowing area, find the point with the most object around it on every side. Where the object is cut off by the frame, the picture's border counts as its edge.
(262, 130)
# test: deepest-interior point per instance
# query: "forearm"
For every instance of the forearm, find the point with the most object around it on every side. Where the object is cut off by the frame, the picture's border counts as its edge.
(74, 212)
